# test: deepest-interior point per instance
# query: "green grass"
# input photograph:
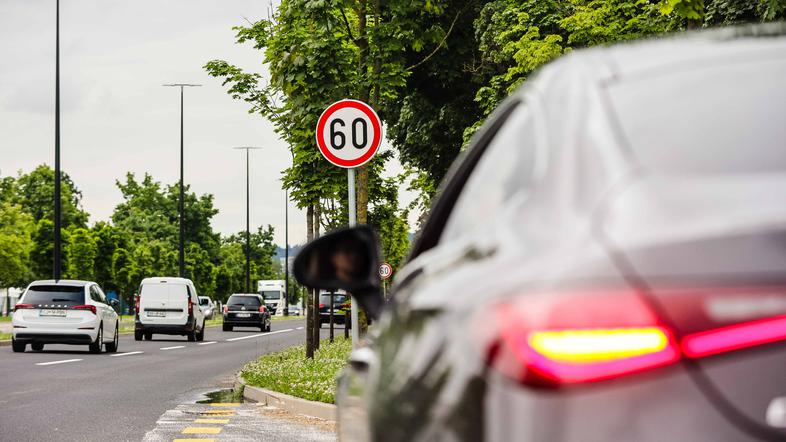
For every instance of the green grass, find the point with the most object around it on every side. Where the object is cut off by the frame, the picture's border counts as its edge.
(5, 336)
(289, 371)
(5, 319)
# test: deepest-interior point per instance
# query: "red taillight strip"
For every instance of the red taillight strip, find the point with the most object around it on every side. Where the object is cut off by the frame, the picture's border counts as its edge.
(734, 337)
(92, 308)
(23, 306)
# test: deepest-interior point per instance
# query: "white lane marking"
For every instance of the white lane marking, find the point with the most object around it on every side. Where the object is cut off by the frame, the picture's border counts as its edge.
(173, 347)
(260, 334)
(299, 328)
(59, 362)
(208, 343)
(129, 353)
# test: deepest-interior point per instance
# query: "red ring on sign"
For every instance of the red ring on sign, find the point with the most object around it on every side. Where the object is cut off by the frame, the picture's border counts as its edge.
(375, 123)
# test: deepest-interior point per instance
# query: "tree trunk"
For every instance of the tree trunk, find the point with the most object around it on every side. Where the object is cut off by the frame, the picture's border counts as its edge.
(315, 306)
(309, 303)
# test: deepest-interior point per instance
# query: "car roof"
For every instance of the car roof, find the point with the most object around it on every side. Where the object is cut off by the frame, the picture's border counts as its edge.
(166, 279)
(65, 282)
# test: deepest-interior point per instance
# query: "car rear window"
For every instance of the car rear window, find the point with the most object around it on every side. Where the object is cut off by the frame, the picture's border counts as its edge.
(57, 295)
(243, 300)
(707, 121)
(337, 299)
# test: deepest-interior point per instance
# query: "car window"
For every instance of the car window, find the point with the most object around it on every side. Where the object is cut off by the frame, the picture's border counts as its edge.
(58, 295)
(95, 295)
(506, 169)
(337, 299)
(733, 129)
(244, 300)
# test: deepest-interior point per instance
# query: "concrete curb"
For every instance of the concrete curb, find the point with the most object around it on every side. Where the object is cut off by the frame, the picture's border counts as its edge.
(286, 402)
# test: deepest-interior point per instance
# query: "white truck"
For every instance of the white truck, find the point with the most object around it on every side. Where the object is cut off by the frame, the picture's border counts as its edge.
(274, 291)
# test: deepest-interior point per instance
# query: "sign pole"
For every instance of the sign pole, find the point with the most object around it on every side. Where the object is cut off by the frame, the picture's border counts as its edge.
(352, 222)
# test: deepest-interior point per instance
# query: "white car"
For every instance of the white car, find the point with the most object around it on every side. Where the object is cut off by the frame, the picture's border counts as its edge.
(65, 312)
(208, 307)
(168, 306)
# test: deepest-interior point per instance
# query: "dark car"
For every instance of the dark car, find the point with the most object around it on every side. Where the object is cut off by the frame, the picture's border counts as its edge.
(339, 299)
(246, 310)
(606, 262)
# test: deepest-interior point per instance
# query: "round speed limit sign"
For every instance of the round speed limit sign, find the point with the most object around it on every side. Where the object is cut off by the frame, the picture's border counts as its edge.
(349, 133)
(385, 271)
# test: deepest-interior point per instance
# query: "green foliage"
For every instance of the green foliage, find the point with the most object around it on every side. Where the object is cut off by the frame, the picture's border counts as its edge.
(34, 193)
(82, 252)
(16, 228)
(289, 373)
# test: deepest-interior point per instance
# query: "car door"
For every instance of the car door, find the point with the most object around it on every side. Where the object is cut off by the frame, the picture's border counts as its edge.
(111, 321)
(101, 307)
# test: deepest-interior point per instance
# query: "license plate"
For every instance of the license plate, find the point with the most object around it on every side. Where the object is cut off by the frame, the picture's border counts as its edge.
(244, 315)
(156, 314)
(50, 312)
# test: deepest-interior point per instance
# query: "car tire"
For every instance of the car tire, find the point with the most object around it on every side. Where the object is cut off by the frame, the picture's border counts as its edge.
(18, 347)
(201, 335)
(192, 335)
(148, 336)
(37, 346)
(138, 335)
(96, 346)
(112, 347)
(227, 327)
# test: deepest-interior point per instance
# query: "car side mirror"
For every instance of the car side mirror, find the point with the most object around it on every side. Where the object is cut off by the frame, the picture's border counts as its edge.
(114, 302)
(346, 259)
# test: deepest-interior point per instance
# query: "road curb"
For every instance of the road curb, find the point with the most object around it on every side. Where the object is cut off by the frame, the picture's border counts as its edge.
(286, 402)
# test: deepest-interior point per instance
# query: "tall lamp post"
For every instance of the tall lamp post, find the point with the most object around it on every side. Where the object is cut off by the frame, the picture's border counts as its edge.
(181, 260)
(57, 264)
(248, 231)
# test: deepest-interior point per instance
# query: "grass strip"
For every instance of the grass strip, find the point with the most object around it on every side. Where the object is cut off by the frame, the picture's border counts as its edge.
(289, 371)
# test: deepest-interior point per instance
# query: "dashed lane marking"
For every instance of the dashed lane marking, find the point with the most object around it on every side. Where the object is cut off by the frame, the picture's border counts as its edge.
(194, 440)
(202, 430)
(260, 334)
(299, 328)
(173, 347)
(210, 421)
(127, 353)
(208, 343)
(64, 361)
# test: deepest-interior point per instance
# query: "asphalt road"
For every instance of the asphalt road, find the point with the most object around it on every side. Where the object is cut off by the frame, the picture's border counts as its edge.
(65, 393)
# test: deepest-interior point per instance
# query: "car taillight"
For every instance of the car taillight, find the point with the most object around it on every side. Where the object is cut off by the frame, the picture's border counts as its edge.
(261, 309)
(190, 307)
(92, 308)
(137, 304)
(321, 305)
(556, 340)
(22, 306)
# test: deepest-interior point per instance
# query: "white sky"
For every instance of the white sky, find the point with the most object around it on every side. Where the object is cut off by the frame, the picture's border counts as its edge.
(116, 116)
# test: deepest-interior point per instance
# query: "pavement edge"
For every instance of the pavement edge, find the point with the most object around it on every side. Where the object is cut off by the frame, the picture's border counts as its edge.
(286, 402)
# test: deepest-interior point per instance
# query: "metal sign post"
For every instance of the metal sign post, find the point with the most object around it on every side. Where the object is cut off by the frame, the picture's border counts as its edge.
(352, 222)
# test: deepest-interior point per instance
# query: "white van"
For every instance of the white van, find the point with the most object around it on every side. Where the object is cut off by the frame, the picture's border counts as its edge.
(274, 291)
(168, 306)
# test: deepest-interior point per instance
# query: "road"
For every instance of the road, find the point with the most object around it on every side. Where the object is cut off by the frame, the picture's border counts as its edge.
(65, 393)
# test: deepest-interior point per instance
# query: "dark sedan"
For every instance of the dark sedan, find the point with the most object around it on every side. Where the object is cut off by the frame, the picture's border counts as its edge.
(246, 310)
(606, 262)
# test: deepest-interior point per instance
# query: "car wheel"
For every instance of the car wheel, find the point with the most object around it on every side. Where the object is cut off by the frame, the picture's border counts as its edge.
(137, 335)
(96, 346)
(192, 335)
(269, 325)
(201, 335)
(227, 327)
(112, 347)
(18, 347)
(148, 336)
(37, 346)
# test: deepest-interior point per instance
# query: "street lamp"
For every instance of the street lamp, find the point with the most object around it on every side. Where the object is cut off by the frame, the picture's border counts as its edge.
(181, 261)
(248, 233)
(56, 254)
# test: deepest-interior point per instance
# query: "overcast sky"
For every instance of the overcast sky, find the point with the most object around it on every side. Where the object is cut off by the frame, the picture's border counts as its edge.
(115, 115)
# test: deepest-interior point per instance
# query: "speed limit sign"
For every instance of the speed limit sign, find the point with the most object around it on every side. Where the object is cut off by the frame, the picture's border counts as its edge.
(385, 270)
(349, 133)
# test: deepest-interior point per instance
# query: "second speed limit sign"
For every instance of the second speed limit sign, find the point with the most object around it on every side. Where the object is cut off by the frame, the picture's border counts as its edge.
(385, 270)
(349, 133)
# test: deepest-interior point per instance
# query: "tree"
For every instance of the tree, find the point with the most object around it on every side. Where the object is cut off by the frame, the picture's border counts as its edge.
(41, 254)
(35, 191)
(82, 251)
(16, 228)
